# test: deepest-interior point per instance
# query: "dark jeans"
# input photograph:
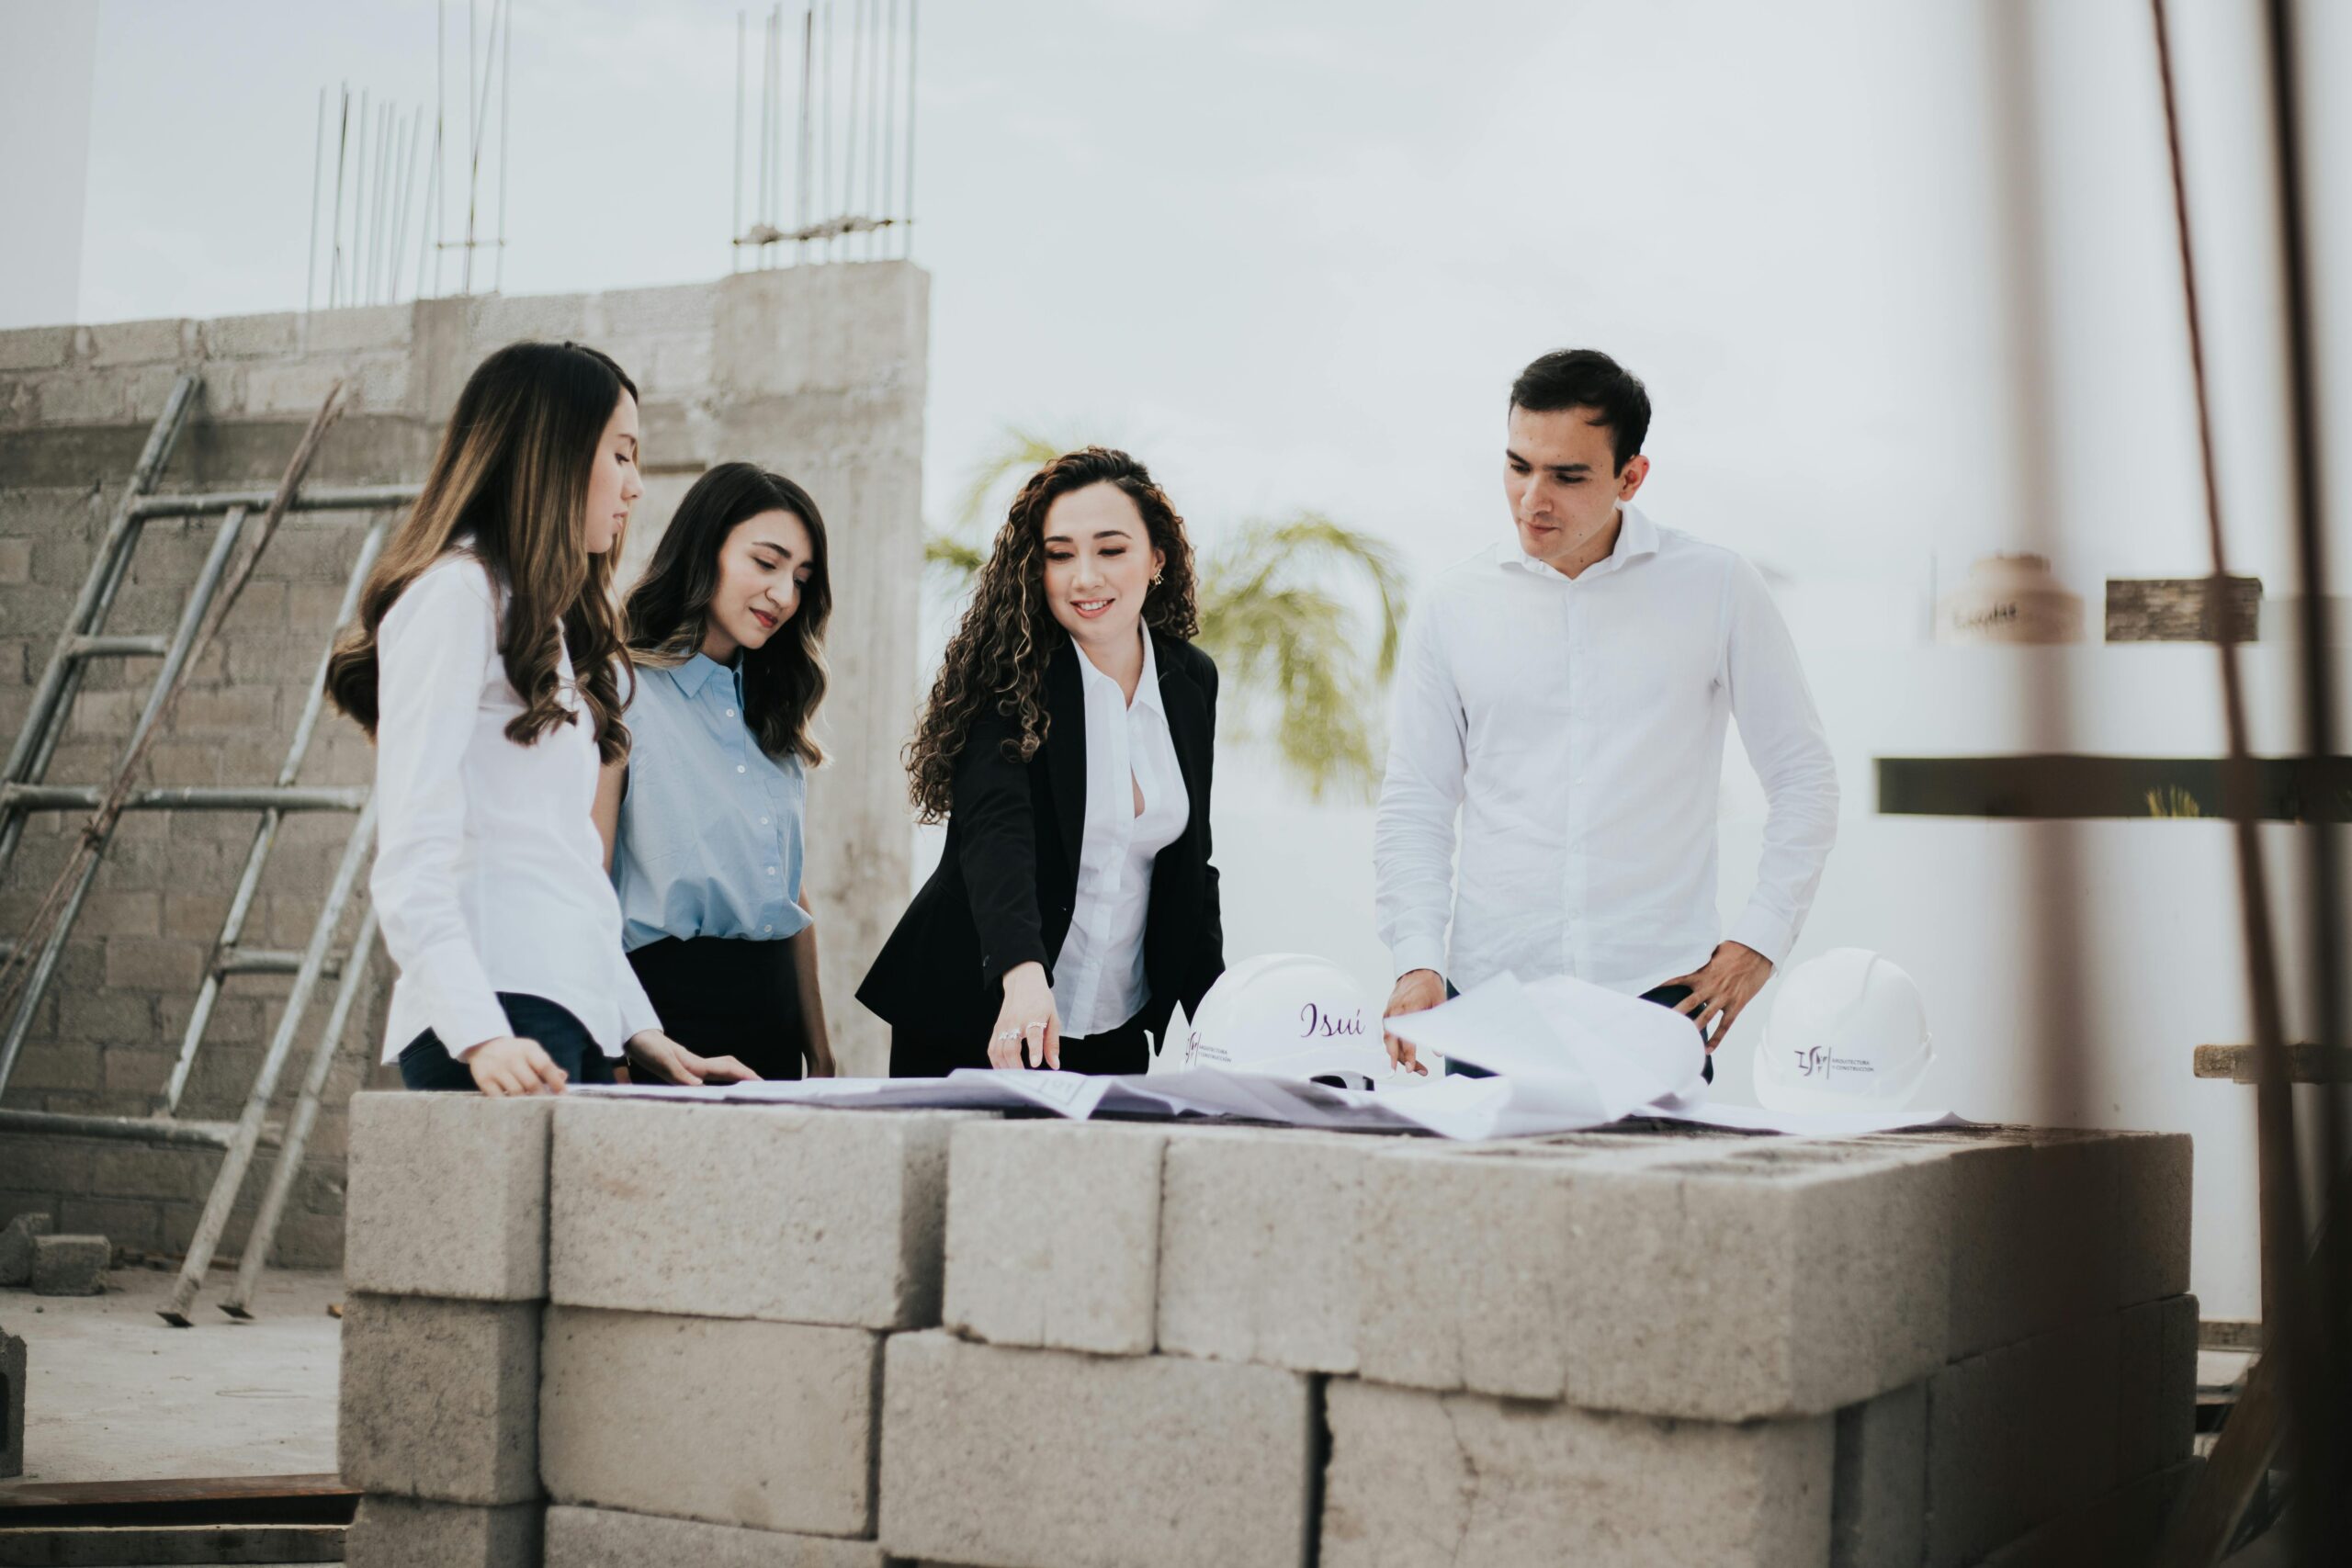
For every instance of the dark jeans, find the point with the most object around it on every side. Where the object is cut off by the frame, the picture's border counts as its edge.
(1663, 995)
(1121, 1050)
(425, 1063)
(728, 996)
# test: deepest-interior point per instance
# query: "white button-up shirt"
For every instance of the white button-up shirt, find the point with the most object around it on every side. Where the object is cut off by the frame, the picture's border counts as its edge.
(488, 871)
(1575, 726)
(1099, 980)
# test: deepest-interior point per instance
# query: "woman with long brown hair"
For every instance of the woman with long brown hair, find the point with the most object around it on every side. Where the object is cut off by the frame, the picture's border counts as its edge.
(485, 666)
(702, 819)
(1068, 742)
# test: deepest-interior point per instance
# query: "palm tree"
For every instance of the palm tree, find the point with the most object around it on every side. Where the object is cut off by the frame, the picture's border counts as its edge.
(1286, 643)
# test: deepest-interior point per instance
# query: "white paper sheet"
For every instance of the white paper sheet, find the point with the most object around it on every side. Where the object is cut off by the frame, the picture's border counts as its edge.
(1566, 1055)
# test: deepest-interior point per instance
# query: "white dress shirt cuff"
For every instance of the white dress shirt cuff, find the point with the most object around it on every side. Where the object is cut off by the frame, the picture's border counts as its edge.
(1763, 930)
(461, 1005)
(636, 1010)
(1418, 952)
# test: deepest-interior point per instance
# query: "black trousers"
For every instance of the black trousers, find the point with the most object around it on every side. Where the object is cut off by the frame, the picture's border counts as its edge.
(728, 996)
(426, 1063)
(1663, 995)
(1125, 1049)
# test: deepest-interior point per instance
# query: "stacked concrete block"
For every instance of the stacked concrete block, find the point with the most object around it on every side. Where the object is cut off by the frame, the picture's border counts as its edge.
(823, 1339)
(995, 1455)
(1417, 1477)
(438, 1419)
(722, 1280)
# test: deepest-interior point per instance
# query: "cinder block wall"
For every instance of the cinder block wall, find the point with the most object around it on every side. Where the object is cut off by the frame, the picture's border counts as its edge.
(819, 372)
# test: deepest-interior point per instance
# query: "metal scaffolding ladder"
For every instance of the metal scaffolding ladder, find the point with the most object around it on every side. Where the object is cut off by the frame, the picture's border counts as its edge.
(23, 791)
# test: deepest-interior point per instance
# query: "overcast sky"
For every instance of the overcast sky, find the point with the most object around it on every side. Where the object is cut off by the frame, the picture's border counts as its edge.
(1292, 254)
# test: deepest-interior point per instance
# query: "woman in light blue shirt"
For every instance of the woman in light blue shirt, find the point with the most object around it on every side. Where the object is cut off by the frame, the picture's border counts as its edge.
(702, 819)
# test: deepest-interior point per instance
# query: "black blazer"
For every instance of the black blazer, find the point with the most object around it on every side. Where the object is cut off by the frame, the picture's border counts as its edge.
(1007, 878)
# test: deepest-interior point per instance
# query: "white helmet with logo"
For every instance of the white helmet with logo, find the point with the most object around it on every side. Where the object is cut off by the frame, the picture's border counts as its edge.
(1846, 1032)
(1289, 1015)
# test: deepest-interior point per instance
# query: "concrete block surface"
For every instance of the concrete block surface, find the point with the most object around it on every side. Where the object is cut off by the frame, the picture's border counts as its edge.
(998, 1456)
(2021, 1436)
(440, 1398)
(767, 1426)
(1053, 1233)
(397, 1532)
(1258, 1247)
(1767, 1279)
(1418, 1477)
(1878, 1514)
(2153, 1197)
(606, 1538)
(447, 1196)
(71, 1265)
(760, 1211)
(17, 1247)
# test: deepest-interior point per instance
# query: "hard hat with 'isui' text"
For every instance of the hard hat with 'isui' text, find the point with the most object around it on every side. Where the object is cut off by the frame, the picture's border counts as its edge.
(1290, 1015)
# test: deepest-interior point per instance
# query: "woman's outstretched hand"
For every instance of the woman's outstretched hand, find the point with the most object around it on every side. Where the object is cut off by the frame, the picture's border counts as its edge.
(654, 1057)
(1028, 1031)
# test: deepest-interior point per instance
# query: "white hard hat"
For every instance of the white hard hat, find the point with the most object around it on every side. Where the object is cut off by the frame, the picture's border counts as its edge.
(1846, 1032)
(1289, 1015)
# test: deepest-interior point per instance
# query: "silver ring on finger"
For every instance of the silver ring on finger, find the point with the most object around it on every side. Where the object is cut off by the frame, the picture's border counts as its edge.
(1027, 1027)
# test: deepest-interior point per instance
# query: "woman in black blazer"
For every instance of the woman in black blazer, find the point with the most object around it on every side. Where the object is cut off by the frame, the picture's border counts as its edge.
(1068, 742)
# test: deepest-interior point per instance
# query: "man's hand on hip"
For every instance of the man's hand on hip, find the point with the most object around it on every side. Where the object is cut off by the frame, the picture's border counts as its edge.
(1418, 990)
(1719, 991)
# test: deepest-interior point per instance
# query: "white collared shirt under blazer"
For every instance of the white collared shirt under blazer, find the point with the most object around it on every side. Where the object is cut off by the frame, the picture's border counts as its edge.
(488, 870)
(1575, 726)
(1099, 977)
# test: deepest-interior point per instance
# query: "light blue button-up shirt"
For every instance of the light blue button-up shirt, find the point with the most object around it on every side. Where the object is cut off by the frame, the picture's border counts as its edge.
(710, 829)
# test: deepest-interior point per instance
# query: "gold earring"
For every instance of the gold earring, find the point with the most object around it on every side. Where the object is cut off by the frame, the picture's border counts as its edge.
(1154, 579)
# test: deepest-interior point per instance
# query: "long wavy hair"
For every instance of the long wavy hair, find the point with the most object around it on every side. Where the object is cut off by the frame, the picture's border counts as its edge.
(997, 660)
(668, 611)
(509, 482)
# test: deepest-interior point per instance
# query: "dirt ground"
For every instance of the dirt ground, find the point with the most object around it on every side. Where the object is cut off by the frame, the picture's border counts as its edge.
(112, 1392)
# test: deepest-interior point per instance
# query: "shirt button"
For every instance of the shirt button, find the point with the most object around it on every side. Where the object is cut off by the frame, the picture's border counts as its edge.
(730, 713)
(739, 767)
(767, 927)
(771, 871)
(764, 821)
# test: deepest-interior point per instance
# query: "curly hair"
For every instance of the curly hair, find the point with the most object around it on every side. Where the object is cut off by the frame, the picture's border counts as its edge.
(509, 483)
(996, 662)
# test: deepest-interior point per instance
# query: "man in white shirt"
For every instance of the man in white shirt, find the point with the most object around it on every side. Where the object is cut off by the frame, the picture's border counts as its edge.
(1564, 694)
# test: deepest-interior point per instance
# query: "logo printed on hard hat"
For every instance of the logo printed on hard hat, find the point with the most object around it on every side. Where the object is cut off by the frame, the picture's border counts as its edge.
(1822, 1060)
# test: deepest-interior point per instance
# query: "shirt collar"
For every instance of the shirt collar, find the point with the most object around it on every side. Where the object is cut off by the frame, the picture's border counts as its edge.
(698, 671)
(1636, 537)
(1147, 689)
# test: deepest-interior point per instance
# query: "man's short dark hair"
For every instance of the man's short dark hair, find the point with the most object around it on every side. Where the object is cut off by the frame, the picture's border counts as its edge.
(1588, 379)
